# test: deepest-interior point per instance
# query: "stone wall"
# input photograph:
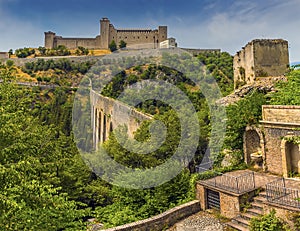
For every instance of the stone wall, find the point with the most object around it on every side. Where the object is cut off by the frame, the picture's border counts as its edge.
(279, 124)
(260, 58)
(77, 59)
(230, 203)
(4, 55)
(196, 52)
(161, 221)
(281, 113)
(108, 114)
(282, 212)
(73, 43)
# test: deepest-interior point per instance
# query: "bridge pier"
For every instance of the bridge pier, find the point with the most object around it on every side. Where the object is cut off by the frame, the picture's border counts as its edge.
(107, 114)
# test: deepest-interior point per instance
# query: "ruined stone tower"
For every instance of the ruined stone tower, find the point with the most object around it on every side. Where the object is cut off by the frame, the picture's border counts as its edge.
(260, 58)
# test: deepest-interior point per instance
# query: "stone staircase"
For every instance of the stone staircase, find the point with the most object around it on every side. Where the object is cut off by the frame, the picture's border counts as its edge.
(242, 221)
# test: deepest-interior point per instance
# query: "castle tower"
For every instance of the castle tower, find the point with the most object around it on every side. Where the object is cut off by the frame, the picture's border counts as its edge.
(104, 32)
(162, 33)
(49, 39)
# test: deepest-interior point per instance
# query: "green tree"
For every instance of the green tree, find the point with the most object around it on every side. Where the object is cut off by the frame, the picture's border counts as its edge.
(288, 91)
(42, 50)
(113, 46)
(122, 44)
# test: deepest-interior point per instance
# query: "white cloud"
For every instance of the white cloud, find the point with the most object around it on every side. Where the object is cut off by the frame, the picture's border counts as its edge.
(244, 21)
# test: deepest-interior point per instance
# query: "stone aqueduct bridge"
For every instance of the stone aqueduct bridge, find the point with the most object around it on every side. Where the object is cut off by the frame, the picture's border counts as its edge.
(108, 114)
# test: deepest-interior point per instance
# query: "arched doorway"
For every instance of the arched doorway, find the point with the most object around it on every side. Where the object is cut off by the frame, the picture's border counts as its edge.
(253, 144)
(290, 158)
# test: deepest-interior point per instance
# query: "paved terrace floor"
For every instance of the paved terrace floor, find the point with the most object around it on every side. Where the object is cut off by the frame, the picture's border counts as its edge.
(261, 179)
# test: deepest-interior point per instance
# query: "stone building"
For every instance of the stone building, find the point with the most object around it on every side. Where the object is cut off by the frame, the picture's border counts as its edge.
(4, 55)
(271, 143)
(169, 43)
(133, 37)
(260, 58)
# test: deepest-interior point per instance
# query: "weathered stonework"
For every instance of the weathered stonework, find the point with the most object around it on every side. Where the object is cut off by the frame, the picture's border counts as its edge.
(230, 203)
(108, 114)
(108, 33)
(285, 213)
(4, 55)
(278, 126)
(260, 58)
(163, 220)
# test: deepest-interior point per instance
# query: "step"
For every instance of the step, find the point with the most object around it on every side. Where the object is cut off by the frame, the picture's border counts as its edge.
(263, 194)
(259, 199)
(242, 221)
(257, 205)
(237, 226)
(248, 216)
(255, 212)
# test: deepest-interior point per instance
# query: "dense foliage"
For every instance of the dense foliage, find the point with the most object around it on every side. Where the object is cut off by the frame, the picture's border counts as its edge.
(35, 161)
(45, 184)
(288, 91)
(24, 52)
(267, 222)
(62, 72)
(220, 67)
(113, 46)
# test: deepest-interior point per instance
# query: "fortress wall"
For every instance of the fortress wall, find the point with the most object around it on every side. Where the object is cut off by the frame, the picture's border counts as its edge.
(136, 37)
(73, 43)
(196, 52)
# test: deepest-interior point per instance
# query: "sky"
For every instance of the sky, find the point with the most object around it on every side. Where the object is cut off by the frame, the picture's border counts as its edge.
(225, 24)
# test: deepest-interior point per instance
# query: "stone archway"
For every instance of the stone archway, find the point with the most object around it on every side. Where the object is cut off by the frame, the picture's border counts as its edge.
(290, 157)
(254, 142)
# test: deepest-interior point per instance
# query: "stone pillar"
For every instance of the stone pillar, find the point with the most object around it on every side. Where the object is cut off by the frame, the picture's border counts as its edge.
(101, 140)
(201, 196)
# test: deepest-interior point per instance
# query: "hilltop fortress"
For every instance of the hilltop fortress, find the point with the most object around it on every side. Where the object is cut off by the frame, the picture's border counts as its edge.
(133, 37)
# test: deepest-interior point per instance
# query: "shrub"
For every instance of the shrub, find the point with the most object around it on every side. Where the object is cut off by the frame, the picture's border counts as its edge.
(267, 222)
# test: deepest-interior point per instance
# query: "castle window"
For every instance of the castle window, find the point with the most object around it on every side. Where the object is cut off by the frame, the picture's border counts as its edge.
(138, 37)
(126, 37)
(146, 37)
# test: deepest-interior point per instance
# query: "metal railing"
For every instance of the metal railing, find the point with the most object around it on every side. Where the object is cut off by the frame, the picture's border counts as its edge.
(236, 184)
(278, 193)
